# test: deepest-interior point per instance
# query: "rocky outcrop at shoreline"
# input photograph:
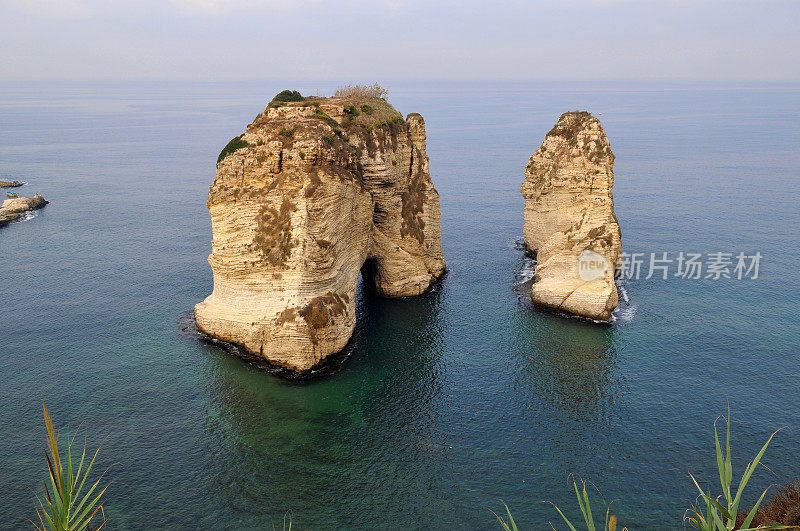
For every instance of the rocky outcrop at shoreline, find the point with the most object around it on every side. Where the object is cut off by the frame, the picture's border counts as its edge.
(12, 209)
(10, 184)
(569, 218)
(314, 192)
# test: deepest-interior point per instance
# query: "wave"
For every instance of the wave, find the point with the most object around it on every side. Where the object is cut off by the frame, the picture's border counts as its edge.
(624, 311)
(525, 273)
(527, 265)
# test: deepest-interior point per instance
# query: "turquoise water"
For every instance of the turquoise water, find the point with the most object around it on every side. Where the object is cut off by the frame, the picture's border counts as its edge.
(450, 400)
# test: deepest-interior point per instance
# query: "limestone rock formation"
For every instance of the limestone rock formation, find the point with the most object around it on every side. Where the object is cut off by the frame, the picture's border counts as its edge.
(10, 184)
(12, 209)
(311, 193)
(569, 218)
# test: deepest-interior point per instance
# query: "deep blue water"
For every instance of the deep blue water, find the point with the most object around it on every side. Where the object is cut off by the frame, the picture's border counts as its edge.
(450, 401)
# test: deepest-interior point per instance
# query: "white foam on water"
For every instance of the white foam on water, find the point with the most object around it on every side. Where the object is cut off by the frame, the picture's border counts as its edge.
(623, 293)
(526, 272)
(25, 216)
(625, 311)
(626, 314)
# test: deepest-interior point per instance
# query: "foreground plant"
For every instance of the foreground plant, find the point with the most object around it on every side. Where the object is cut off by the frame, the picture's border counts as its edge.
(710, 514)
(67, 508)
(507, 525)
(609, 523)
(287, 522)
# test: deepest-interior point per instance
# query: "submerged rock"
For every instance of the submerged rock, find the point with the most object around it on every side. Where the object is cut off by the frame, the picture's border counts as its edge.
(569, 218)
(12, 209)
(313, 191)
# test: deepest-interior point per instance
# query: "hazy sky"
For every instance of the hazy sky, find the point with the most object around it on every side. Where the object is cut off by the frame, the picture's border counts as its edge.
(361, 40)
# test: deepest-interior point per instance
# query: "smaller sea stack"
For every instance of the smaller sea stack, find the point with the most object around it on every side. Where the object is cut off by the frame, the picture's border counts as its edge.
(13, 208)
(569, 218)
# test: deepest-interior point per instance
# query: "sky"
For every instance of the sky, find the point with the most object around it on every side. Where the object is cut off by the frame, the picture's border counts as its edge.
(373, 40)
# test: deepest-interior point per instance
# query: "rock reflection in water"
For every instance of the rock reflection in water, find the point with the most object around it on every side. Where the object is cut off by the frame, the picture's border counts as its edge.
(275, 445)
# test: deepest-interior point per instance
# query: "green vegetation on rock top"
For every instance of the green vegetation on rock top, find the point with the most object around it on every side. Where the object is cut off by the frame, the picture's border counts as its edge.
(230, 147)
(288, 95)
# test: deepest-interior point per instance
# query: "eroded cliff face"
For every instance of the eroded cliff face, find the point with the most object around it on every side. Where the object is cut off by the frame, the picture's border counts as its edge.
(309, 193)
(569, 216)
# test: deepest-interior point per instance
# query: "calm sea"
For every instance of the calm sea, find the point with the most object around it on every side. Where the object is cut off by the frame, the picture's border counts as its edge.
(450, 401)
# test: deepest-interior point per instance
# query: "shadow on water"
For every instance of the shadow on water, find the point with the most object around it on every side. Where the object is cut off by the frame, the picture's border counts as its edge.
(275, 444)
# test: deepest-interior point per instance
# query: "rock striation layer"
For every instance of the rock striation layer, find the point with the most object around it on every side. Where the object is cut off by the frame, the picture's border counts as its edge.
(12, 209)
(312, 193)
(569, 218)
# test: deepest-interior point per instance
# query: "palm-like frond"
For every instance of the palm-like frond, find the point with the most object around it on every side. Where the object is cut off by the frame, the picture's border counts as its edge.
(581, 494)
(65, 506)
(720, 513)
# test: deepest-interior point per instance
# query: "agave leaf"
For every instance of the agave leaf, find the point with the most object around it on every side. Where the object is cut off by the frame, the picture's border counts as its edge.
(61, 512)
(52, 439)
(78, 473)
(700, 520)
(68, 476)
(580, 500)
(566, 520)
(719, 507)
(503, 523)
(86, 499)
(47, 494)
(752, 513)
(749, 472)
(588, 514)
(728, 462)
(86, 473)
(511, 519)
(714, 516)
(57, 506)
(708, 521)
(83, 522)
(46, 517)
(702, 492)
(721, 464)
(56, 470)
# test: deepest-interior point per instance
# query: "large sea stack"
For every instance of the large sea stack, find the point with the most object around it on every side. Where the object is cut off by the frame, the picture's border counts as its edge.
(314, 192)
(569, 218)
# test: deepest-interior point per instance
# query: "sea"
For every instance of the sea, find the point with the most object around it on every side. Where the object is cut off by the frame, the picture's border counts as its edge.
(447, 405)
